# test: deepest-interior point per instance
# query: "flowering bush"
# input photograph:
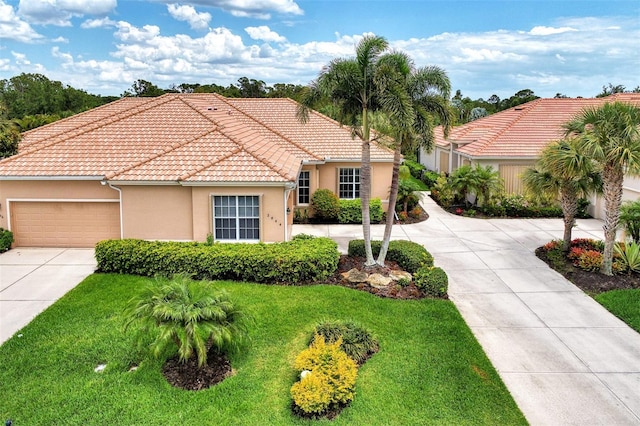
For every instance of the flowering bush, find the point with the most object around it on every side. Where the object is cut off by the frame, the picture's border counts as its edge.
(332, 379)
(575, 253)
(552, 245)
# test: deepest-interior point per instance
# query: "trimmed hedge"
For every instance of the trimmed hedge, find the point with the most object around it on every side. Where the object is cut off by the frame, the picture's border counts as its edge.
(410, 256)
(433, 281)
(301, 260)
(351, 210)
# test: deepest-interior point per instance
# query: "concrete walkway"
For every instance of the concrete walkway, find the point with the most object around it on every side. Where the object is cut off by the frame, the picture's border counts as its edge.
(32, 279)
(564, 358)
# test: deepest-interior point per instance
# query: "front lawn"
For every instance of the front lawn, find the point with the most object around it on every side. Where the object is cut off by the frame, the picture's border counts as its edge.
(429, 370)
(625, 304)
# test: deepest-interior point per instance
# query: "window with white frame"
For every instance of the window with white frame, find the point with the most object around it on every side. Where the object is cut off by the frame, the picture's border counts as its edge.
(236, 217)
(304, 187)
(349, 183)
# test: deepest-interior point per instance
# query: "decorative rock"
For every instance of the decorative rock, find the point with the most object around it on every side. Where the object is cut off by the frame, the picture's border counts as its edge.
(378, 281)
(355, 276)
(304, 374)
(398, 275)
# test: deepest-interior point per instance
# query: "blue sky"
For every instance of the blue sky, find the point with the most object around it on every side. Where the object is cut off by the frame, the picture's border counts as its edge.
(573, 47)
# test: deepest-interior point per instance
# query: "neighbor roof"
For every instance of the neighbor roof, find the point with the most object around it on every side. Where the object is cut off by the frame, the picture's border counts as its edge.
(186, 138)
(522, 131)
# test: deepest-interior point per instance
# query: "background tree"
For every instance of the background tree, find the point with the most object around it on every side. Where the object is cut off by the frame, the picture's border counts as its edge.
(563, 171)
(349, 85)
(610, 136)
(9, 134)
(610, 89)
(143, 88)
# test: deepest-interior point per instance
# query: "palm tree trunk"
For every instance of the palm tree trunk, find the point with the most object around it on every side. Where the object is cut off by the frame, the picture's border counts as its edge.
(391, 209)
(365, 188)
(612, 178)
(569, 201)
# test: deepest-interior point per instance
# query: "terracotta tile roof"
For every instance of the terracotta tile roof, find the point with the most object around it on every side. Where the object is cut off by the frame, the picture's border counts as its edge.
(522, 131)
(185, 137)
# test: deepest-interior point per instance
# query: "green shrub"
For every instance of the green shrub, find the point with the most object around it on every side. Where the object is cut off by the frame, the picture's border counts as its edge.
(357, 342)
(416, 169)
(630, 220)
(429, 177)
(298, 261)
(325, 205)
(331, 380)
(410, 256)
(350, 210)
(192, 317)
(442, 192)
(583, 205)
(6, 239)
(432, 280)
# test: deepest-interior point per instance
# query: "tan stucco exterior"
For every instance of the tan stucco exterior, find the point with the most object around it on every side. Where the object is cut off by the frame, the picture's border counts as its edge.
(325, 176)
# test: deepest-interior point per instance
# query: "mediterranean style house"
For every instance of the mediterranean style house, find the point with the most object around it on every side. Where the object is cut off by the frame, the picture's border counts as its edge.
(178, 167)
(511, 140)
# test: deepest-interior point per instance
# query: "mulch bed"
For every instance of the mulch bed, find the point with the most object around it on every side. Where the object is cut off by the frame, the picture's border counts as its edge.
(393, 291)
(592, 282)
(189, 376)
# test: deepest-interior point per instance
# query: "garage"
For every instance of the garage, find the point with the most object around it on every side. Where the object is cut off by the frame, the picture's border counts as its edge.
(64, 224)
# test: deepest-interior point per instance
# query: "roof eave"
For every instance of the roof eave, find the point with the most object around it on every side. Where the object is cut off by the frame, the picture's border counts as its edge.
(51, 177)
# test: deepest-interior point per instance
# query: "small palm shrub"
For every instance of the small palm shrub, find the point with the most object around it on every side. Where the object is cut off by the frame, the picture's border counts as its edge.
(630, 220)
(442, 191)
(188, 317)
(432, 280)
(357, 342)
(330, 381)
(628, 255)
(326, 205)
(6, 239)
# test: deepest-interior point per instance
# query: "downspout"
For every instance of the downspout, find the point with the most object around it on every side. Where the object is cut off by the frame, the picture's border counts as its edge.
(104, 182)
(288, 188)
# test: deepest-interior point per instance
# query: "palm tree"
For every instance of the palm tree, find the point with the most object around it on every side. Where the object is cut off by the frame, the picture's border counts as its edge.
(610, 136)
(349, 83)
(410, 97)
(563, 170)
(488, 181)
(464, 181)
(188, 314)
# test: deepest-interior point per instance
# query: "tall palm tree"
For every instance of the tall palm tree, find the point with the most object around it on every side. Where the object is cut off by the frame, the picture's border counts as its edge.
(349, 83)
(563, 170)
(610, 136)
(411, 98)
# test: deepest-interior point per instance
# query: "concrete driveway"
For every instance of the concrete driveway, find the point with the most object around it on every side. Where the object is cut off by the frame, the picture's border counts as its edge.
(31, 279)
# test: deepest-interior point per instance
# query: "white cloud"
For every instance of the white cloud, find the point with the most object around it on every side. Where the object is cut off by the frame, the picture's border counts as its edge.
(14, 28)
(543, 31)
(65, 57)
(60, 12)
(265, 34)
(197, 21)
(20, 58)
(98, 23)
(485, 55)
(60, 40)
(259, 9)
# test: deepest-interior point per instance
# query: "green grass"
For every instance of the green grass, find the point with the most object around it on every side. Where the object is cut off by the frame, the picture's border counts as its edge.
(419, 183)
(625, 304)
(430, 369)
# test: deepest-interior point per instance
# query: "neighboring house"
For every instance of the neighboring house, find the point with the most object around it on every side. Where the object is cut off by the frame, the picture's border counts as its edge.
(178, 167)
(511, 140)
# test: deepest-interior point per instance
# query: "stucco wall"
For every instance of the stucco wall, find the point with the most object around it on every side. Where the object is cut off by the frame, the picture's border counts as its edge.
(272, 219)
(154, 212)
(50, 190)
(327, 177)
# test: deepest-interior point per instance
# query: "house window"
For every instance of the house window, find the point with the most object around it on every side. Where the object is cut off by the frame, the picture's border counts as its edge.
(349, 183)
(303, 187)
(236, 217)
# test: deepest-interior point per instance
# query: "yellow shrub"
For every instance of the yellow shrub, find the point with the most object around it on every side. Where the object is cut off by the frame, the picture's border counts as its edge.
(332, 379)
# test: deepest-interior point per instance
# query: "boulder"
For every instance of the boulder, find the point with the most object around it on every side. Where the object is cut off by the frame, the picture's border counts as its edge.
(355, 276)
(378, 281)
(398, 275)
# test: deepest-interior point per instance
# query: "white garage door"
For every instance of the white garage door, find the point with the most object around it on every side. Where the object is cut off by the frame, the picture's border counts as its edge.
(64, 224)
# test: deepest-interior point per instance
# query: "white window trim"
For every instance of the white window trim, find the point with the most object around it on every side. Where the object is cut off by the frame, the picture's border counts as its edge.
(237, 218)
(308, 172)
(353, 190)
